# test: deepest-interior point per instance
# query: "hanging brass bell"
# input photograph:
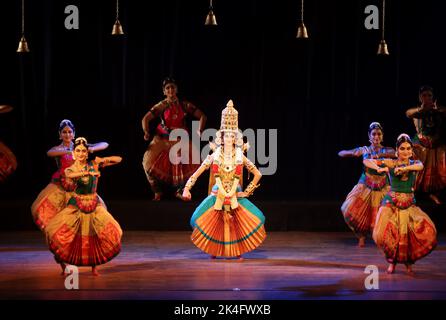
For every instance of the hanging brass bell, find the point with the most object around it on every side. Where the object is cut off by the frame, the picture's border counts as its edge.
(117, 29)
(382, 48)
(23, 45)
(302, 32)
(210, 19)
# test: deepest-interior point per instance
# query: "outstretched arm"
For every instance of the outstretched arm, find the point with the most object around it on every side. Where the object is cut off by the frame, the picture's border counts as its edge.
(193, 178)
(388, 153)
(94, 147)
(108, 161)
(58, 151)
(357, 152)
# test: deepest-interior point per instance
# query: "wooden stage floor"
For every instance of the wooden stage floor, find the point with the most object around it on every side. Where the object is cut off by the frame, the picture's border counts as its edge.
(166, 265)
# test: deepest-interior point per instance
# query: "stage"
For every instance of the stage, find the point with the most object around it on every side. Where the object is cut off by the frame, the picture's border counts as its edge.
(166, 265)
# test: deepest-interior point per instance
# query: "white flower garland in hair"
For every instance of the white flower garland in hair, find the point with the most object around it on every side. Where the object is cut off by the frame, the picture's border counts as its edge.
(81, 139)
(375, 124)
(65, 121)
(403, 135)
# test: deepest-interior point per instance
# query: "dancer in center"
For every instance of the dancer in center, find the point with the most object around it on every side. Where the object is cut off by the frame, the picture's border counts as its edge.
(226, 224)
(402, 230)
(362, 203)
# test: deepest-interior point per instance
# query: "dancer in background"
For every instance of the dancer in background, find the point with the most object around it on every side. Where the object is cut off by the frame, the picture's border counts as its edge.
(226, 223)
(402, 230)
(362, 203)
(54, 196)
(8, 161)
(84, 233)
(160, 171)
(430, 143)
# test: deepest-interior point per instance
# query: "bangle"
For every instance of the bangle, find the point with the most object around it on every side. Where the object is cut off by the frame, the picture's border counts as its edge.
(250, 188)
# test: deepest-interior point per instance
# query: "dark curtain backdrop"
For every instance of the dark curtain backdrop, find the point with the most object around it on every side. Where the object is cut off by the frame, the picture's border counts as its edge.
(320, 94)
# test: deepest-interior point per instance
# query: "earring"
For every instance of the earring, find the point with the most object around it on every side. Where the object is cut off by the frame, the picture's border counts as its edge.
(396, 154)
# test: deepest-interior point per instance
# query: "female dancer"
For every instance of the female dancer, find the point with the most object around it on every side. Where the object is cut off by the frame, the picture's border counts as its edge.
(226, 223)
(8, 161)
(157, 165)
(53, 198)
(362, 203)
(84, 233)
(402, 230)
(429, 143)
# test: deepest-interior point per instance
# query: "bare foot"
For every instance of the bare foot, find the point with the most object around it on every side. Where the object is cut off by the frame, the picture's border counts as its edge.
(361, 242)
(435, 199)
(391, 268)
(240, 258)
(409, 269)
(94, 271)
(157, 196)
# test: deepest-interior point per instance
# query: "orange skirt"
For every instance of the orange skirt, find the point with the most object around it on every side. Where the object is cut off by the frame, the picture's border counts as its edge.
(405, 235)
(83, 239)
(227, 233)
(50, 201)
(361, 207)
(156, 162)
(433, 177)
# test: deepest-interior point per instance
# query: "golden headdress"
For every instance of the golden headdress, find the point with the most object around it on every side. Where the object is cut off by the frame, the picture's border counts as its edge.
(229, 118)
(229, 123)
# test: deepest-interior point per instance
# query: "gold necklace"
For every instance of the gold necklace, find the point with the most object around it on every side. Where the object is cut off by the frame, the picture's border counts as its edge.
(228, 161)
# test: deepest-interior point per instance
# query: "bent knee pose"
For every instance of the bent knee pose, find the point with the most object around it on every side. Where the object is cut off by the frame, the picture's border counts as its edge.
(160, 171)
(53, 198)
(84, 233)
(429, 143)
(402, 230)
(362, 203)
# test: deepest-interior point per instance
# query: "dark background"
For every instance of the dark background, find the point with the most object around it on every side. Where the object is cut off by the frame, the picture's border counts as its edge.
(321, 94)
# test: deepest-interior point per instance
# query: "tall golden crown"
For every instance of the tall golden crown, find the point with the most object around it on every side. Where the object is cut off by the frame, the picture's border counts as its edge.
(229, 118)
